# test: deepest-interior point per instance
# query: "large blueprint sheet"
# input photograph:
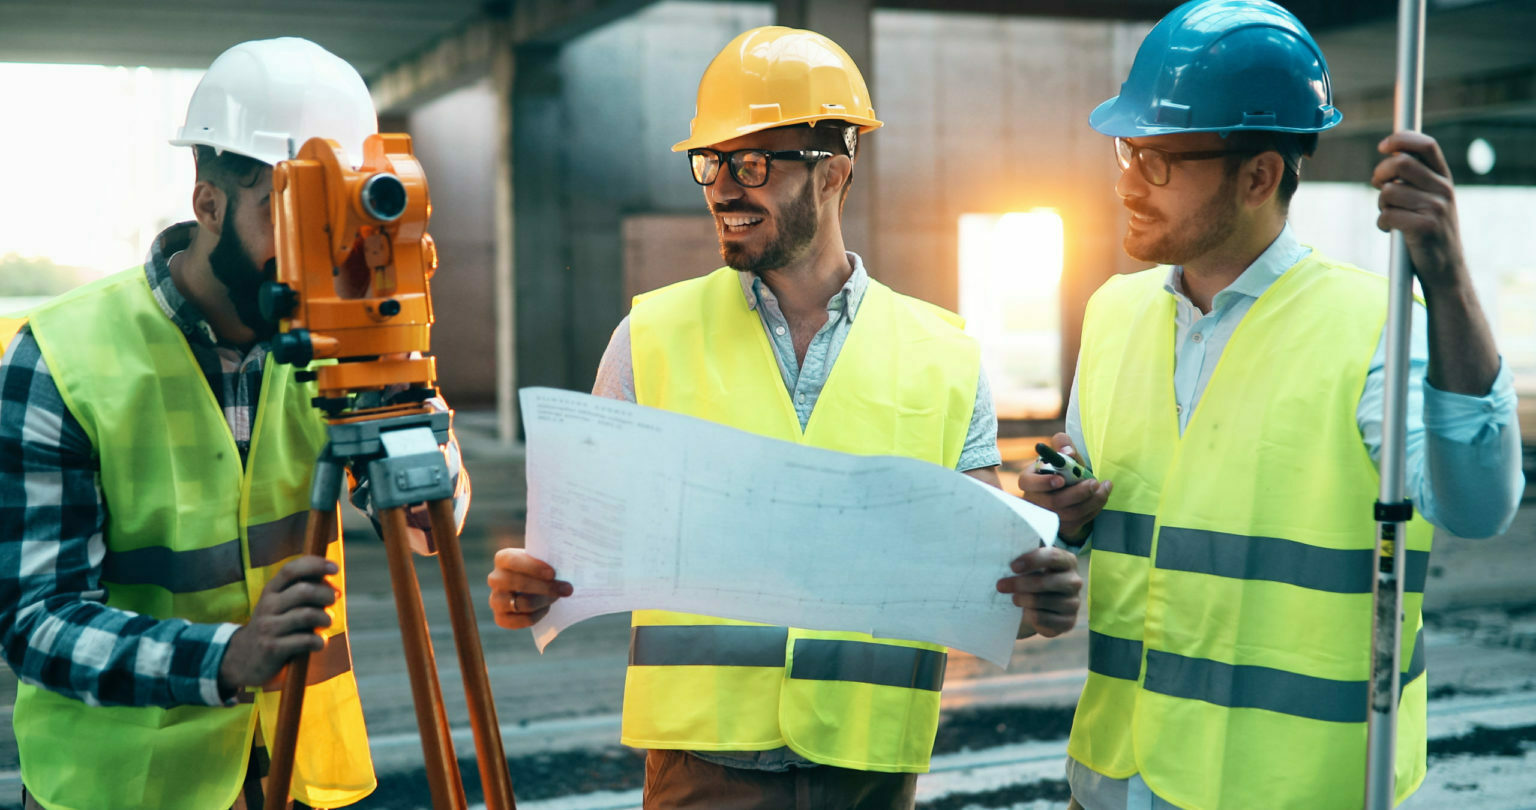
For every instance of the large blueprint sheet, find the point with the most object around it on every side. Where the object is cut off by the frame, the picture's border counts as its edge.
(640, 508)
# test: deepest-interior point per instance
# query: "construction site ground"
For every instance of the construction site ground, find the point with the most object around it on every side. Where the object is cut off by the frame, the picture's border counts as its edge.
(1002, 738)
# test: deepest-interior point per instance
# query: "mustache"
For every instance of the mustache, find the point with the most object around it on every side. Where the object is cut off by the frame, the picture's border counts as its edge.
(737, 207)
(1144, 210)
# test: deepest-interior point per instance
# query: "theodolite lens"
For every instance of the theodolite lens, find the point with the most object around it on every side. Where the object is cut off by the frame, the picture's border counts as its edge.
(383, 197)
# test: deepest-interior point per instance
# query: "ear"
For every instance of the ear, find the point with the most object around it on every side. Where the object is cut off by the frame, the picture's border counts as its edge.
(839, 169)
(1259, 180)
(208, 206)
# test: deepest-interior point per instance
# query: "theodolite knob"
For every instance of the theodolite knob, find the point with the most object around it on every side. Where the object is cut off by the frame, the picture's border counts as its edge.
(277, 300)
(293, 347)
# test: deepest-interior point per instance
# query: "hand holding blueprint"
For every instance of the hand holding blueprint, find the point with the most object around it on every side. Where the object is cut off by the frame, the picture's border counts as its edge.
(644, 509)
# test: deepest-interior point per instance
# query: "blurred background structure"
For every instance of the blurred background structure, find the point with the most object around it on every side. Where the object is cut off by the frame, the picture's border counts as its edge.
(545, 129)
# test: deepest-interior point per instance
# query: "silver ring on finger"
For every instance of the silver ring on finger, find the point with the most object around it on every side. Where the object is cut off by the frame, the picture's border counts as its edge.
(514, 601)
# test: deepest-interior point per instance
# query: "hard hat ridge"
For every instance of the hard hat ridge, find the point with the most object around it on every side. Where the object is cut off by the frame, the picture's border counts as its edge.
(265, 98)
(1223, 66)
(773, 77)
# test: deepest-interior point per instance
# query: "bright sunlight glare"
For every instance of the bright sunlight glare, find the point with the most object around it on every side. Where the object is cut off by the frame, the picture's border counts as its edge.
(89, 176)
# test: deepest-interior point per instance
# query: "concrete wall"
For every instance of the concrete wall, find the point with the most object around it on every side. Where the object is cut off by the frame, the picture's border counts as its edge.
(454, 140)
(595, 123)
(989, 115)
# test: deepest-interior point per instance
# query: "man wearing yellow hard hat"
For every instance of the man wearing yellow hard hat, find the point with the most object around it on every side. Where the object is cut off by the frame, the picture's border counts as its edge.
(156, 484)
(793, 340)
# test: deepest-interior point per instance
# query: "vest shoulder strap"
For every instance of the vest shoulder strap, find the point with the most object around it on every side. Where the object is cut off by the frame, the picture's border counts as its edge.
(690, 287)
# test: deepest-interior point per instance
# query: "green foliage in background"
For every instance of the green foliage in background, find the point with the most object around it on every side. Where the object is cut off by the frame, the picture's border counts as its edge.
(36, 276)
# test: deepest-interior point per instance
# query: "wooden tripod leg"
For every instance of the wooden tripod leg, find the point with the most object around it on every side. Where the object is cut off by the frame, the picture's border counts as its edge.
(437, 747)
(318, 533)
(494, 778)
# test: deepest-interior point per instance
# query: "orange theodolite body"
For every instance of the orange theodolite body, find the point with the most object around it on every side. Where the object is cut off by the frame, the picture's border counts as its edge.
(353, 264)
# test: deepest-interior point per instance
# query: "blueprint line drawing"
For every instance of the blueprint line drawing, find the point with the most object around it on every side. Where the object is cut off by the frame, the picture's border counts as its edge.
(640, 508)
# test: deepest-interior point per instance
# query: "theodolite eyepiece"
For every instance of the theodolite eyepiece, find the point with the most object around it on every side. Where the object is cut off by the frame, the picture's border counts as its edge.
(383, 197)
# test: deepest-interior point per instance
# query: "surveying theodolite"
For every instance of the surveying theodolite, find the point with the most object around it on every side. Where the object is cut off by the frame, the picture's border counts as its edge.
(353, 264)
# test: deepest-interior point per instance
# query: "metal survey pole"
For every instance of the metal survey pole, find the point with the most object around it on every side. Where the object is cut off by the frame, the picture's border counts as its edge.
(1393, 509)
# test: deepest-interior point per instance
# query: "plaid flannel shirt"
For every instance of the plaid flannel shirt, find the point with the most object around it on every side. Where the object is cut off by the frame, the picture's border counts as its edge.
(56, 630)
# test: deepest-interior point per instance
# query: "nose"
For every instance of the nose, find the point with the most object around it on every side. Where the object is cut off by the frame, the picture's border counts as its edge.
(724, 189)
(1131, 184)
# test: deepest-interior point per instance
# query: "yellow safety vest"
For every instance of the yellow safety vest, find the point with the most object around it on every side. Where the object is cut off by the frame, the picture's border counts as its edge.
(9, 326)
(190, 535)
(1229, 607)
(903, 384)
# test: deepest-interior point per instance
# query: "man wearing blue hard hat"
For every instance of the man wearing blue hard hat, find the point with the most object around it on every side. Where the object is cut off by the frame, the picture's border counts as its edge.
(1229, 402)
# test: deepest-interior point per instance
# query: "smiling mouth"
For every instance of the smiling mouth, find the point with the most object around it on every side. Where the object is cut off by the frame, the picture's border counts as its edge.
(1141, 220)
(738, 223)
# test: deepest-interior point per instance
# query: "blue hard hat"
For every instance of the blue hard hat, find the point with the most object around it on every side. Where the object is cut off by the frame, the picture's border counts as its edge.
(1222, 66)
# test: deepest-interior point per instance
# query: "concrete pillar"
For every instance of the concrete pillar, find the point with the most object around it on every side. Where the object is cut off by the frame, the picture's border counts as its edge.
(848, 23)
(541, 307)
(504, 78)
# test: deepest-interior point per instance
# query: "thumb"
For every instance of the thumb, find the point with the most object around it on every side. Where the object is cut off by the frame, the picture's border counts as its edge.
(1063, 444)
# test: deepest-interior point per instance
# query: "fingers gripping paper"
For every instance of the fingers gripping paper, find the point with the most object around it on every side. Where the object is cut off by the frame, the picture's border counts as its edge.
(644, 509)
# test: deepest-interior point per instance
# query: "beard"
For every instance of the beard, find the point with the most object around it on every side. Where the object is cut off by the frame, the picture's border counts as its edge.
(233, 267)
(795, 227)
(1199, 234)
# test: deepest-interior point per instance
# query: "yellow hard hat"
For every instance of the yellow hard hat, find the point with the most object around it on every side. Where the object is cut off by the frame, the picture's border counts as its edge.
(773, 77)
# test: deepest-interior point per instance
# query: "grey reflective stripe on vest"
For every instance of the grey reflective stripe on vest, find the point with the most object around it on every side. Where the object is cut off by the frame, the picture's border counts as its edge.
(820, 659)
(1265, 688)
(1121, 657)
(734, 645)
(1114, 657)
(1275, 560)
(1417, 664)
(176, 571)
(204, 568)
(1123, 532)
(335, 659)
(707, 645)
(277, 540)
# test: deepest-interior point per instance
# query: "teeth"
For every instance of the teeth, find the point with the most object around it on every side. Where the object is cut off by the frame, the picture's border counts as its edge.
(740, 222)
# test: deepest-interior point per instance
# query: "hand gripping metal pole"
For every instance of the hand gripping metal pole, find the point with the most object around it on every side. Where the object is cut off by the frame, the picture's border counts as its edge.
(1393, 510)
(324, 492)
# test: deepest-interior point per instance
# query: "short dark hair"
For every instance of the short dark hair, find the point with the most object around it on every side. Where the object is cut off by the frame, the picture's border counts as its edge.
(1292, 146)
(828, 136)
(227, 171)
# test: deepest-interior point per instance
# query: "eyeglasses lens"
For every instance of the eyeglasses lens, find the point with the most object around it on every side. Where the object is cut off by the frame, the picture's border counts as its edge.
(705, 167)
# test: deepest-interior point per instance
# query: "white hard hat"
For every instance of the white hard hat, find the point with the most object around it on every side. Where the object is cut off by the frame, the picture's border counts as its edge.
(265, 98)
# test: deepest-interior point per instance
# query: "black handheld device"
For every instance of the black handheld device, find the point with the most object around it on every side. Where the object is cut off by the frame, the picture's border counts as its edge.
(1054, 463)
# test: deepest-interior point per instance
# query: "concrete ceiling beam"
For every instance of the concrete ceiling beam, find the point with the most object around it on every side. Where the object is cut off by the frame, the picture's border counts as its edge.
(467, 54)
(1503, 94)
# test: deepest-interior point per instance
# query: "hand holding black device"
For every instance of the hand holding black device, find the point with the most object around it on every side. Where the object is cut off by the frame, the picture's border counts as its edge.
(1054, 463)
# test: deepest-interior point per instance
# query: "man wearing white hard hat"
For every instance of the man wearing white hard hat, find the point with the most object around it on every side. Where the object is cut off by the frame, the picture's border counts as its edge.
(157, 470)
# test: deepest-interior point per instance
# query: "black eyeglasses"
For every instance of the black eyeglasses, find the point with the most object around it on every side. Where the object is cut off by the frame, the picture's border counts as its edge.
(1155, 164)
(749, 167)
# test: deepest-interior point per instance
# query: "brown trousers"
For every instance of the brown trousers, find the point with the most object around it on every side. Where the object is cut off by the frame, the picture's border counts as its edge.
(676, 781)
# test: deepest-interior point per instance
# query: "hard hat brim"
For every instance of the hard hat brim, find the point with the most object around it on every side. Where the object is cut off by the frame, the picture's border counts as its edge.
(221, 149)
(1118, 122)
(712, 137)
